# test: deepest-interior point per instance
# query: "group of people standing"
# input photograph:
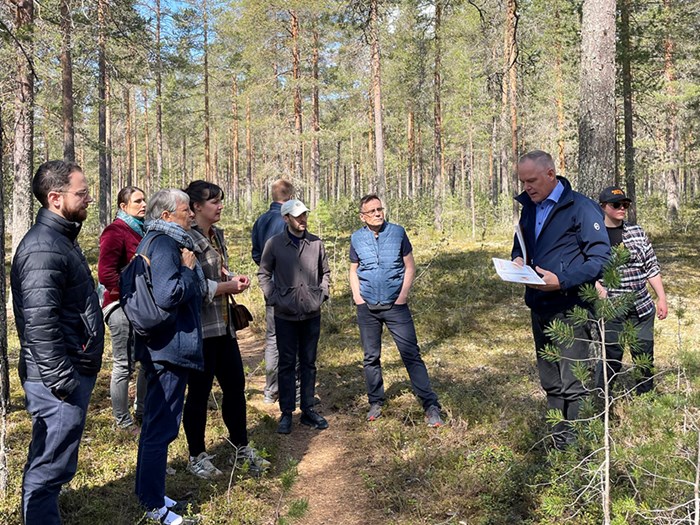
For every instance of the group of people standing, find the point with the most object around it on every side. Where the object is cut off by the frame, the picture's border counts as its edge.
(60, 320)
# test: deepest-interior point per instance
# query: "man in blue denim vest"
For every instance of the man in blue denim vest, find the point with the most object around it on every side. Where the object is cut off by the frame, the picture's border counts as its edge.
(381, 274)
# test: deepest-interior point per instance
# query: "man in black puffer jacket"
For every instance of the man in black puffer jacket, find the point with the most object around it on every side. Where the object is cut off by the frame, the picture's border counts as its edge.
(61, 331)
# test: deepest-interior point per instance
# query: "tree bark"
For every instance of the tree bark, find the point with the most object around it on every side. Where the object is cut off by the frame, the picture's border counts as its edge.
(4, 364)
(128, 138)
(296, 76)
(249, 158)
(438, 165)
(630, 187)
(597, 104)
(671, 128)
(159, 100)
(410, 132)
(207, 123)
(67, 83)
(105, 182)
(377, 99)
(23, 203)
(315, 123)
(235, 148)
(147, 144)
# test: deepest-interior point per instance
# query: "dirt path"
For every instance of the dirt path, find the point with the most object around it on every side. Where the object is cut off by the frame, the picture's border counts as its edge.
(328, 467)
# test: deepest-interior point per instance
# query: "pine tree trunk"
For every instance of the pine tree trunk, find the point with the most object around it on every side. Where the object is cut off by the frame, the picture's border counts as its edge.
(671, 131)
(4, 364)
(627, 106)
(105, 182)
(559, 82)
(597, 103)
(147, 145)
(22, 201)
(159, 101)
(235, 149)
(410, 133)
(316, 124)
(67, 83)
(296, 76)
(513, 100)
(128, 138)
(207, 123)
(377, 99)
(438, 165)
(249, 159)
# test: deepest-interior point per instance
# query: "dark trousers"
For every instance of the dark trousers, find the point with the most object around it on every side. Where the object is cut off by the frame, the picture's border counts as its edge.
(644, 327)
(57, 428)
(399, 321)
(222, 359)
(297, 340)
(564, 391)
(165, 396)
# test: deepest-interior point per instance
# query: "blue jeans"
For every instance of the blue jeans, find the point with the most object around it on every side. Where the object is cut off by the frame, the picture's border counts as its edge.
(57, 428)
(297, 339)
(165, 397)
(399, 321)
(123, 364)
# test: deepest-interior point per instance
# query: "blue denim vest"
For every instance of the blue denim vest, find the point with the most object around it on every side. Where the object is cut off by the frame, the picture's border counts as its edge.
(381, 268)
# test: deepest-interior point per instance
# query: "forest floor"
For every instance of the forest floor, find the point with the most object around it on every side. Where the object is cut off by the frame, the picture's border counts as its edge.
(489, 465)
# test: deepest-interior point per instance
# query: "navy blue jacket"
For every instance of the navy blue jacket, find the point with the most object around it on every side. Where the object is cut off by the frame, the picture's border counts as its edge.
(268, 225)
(174, 287)
(57, 312)
(573, 244)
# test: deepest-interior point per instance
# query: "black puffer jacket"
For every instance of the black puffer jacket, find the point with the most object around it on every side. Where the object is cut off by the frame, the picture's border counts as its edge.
(57, 312)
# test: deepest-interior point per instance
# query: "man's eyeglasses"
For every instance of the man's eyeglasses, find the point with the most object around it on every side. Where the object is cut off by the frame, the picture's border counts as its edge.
(372, 212)
(82, 194)
(617, 205)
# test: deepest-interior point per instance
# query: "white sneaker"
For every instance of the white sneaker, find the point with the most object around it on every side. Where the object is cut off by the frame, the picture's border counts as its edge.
(203, 467)
(253, 457)
(169, 502)
(165, 516)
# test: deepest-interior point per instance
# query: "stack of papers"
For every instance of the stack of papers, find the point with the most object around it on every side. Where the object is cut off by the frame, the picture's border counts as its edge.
(513, 273)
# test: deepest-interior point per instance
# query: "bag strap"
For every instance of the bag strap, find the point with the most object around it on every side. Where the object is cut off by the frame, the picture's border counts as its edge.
(143, 250)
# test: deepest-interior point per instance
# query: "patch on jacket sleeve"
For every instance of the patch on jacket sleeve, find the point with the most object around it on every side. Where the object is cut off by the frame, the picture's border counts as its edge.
(596, 226)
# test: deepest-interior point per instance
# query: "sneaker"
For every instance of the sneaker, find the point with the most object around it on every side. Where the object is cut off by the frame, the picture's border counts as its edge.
(433, 416)
(313, 419)
(285, 425)
(375, 412)
(255, 461)
(203, 467)
(165, 516)
(269, 400)
(169, 502)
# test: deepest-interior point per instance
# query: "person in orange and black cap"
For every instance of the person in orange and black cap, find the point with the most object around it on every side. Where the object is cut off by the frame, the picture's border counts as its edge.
(642, 268)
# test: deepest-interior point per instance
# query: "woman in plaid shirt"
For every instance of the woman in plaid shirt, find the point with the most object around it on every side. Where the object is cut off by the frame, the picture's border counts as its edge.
(642, 268)
(222, 357)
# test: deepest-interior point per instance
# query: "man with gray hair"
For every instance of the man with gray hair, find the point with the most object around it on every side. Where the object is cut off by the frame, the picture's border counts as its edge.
(568, 246)
(173, 349)
(61, 333)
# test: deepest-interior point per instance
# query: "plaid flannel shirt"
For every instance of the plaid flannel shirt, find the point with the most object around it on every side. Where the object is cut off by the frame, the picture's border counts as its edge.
(642, 266)
(212, 257)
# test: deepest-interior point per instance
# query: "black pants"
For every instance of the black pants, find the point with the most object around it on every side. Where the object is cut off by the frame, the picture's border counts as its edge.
(564, 391)
(297, 340)
(644, 326)
(222, 359)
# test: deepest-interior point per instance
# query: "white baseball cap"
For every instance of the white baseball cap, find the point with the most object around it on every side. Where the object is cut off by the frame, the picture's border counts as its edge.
(293, 207)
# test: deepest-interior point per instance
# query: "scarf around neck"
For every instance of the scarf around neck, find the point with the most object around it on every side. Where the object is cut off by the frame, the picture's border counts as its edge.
(183, 240)
(134, 223)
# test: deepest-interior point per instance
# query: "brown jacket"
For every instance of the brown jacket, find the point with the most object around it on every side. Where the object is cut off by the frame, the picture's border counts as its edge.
(294, 280)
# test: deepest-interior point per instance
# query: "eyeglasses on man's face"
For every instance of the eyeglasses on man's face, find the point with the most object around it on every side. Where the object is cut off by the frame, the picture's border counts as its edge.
(618, 205)
(372, 212)
(82, 194)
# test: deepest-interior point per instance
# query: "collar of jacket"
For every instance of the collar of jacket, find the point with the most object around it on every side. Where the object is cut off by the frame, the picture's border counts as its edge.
(275, 206)
(288, 240)
(54, 221)
(566, 198)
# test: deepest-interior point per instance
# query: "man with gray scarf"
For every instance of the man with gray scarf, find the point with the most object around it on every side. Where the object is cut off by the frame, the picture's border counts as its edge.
(173, 349)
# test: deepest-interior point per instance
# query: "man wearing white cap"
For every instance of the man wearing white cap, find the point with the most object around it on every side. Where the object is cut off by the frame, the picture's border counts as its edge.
(295, 277)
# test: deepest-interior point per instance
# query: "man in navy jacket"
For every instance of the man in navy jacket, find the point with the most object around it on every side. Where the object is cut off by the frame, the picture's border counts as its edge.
(568, 246)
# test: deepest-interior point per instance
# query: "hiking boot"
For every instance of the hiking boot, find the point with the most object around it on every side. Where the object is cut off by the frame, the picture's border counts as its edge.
(285, 425)
(313, 419)
(203, 467)
(269, 400)
(165, 516)
(256, 463)
(433, 416)
(375, 412)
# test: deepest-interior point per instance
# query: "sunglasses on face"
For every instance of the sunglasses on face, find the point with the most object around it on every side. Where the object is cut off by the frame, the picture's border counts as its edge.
(618, 205)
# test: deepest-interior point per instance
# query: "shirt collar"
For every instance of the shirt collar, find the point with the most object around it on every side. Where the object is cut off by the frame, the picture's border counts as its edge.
(556, 193)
